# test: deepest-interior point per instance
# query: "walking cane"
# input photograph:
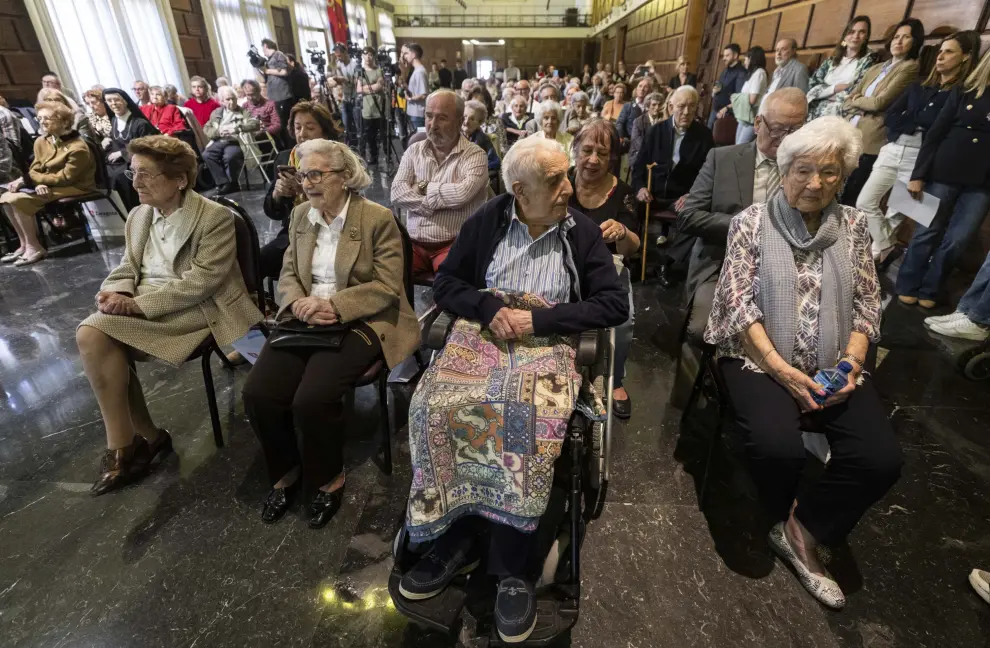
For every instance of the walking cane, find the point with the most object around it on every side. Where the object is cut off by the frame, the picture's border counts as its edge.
(646, 226)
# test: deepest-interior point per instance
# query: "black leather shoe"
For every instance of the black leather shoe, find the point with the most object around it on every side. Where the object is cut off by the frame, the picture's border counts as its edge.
(622, 408)
(325, 505)
(278, 502)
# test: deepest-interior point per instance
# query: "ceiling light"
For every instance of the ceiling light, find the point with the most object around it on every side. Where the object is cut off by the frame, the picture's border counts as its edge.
(474, 41)
(501, 41)
(465, 42)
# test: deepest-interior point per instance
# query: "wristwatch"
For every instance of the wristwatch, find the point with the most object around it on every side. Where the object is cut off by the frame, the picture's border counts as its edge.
(422, 187)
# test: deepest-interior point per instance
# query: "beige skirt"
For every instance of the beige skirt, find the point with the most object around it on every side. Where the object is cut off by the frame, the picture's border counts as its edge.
(171, 338)
(31, 204)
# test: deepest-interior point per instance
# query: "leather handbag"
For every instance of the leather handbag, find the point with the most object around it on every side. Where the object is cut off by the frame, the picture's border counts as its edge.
(296, 334)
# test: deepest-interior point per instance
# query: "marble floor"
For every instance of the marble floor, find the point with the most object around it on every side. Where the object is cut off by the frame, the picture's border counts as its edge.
(183, 560)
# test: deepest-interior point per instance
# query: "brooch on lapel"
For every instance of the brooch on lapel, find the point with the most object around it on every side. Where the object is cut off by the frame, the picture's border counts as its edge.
(353, 232)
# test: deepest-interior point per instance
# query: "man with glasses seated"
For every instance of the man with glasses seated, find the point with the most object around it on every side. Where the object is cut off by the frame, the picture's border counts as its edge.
(732, 179)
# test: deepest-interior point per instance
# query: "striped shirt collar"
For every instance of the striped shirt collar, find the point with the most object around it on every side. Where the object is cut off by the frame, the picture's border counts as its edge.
(563, 225)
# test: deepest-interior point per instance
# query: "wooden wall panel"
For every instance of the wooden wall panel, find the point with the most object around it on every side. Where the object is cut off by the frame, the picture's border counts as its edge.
(22, 62)
(781, 3)
(656, 31)
(765, 31)
(756, 5)
(193, 39)
(742, 33)
(828, 19)
(794, 23)
(736, 9)
(957, 14)
(886, 13)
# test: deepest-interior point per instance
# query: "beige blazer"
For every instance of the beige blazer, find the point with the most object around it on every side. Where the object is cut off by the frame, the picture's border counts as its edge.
(210, 279)
(369, 269)
(872, 108)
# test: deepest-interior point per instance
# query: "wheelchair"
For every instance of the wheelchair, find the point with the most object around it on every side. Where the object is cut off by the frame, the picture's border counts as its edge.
(974, 363)
(577, 497)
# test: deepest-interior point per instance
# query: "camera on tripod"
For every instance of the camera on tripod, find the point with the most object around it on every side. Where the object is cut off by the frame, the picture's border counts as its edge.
(384, 60)
(318, 59)
(256, 59)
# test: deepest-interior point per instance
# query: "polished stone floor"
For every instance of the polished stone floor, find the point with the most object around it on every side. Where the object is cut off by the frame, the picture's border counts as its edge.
(183, 560)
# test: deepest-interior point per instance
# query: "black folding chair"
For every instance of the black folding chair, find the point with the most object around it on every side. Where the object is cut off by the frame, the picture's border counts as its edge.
(249, 261)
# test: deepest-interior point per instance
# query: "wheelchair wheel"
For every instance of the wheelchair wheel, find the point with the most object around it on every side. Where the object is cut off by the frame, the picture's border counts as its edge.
(975, 363)
(596, 485)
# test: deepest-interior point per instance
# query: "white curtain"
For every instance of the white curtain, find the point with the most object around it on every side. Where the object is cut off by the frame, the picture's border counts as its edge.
(314, 25)
(357, 19)
(237, 25)
(132, 43)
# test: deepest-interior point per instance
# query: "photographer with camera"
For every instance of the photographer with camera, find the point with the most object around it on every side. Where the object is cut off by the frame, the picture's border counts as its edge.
(370, 85)
(276, 69)
(346, 71)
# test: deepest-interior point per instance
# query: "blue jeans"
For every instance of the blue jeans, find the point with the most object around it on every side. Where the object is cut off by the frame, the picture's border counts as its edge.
(745, 133)
(417, 122)
(934, 251)
(976, 302)
(624, 333)
(348, 115)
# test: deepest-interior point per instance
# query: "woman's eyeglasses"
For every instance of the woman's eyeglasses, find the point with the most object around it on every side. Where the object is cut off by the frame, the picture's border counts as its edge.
(315, 176)
(143, 176)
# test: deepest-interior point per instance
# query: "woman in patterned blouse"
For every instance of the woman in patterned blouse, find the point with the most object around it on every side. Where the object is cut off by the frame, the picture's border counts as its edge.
(798, 293)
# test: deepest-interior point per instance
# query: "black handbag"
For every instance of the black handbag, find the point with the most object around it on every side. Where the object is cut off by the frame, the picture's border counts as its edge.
(296, 334)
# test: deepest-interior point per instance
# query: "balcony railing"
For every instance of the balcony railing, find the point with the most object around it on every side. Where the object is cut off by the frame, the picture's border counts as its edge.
(489, 20)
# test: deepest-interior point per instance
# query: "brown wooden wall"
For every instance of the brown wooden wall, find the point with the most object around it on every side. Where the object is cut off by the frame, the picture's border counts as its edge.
(22, 62)
(193, 38)
(527, 54)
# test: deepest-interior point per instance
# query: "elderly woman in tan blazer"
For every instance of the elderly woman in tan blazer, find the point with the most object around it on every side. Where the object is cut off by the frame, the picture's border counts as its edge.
(178, 283)
(881, 85)
(344, 265)
(63, 166)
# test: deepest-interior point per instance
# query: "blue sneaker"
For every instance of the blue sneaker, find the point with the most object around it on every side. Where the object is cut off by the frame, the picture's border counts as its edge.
(515, 610)
(449, 558)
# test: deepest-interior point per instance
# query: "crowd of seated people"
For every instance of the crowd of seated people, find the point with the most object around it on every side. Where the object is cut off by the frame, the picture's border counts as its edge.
(548, 256)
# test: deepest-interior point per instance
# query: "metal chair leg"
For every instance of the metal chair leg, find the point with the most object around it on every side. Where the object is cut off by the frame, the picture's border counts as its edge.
(223, 358)
(211, 399)
(386, 423)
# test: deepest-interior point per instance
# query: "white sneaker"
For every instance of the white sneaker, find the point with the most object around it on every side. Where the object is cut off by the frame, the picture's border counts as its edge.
(963, 328)
(980, 580)
(944, 318)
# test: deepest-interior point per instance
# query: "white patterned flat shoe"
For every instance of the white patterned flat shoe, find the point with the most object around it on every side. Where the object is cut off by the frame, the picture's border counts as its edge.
(980, 580)
(825, 590)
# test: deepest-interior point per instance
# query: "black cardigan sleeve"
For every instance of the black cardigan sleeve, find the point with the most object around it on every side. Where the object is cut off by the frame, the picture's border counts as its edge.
(935, 135)
(278, 209)
(454, 287)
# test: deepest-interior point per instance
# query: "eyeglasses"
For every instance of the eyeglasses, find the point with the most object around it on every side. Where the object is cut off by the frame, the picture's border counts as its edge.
(315, 176)
(827, 176)
(143, 176)
(777, 134)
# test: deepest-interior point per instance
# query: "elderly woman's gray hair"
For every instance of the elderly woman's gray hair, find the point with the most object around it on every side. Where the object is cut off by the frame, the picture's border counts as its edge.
(339, 157)
(819, 138)
(523, 162)
(688, 90)
(655, 96)
(477, 108)
(579, 96)
(545, 106)
(508, 93)
(226, 91)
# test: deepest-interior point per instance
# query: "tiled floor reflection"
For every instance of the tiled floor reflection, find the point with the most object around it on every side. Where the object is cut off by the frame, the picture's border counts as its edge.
(183, 560)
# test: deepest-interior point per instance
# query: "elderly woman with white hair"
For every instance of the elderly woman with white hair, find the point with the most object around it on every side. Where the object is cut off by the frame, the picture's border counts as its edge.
(224, 154)
(489, 416)
(549, 115)
(578, 113)
(798, 293)
(343, 276)
(475, 114)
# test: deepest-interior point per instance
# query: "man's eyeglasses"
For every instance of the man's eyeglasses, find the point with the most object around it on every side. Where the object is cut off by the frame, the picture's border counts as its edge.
(143, 176)
(780, 132)
(315, 176)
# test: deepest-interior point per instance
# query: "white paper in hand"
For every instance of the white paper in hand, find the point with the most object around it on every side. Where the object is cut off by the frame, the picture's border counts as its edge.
(920, 211)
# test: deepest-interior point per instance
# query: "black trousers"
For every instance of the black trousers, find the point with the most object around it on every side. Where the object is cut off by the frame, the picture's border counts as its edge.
(225, 159)
(508, 549)
(372, 127)
(857, 179)
(123, 186)
(866, 457)
(304, 389)
(283, 108)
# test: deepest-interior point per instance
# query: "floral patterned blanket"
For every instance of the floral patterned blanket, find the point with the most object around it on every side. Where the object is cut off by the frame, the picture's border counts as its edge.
(486, 424)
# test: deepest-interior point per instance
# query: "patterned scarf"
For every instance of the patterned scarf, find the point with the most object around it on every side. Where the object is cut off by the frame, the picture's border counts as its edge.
(779, 293)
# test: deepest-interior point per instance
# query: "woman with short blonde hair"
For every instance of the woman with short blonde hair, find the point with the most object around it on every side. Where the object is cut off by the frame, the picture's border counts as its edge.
(343, 268)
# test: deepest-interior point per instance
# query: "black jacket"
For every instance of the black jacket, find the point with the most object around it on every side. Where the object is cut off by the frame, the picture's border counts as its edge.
(299, 85)
(137, 126)
(675, 81)
(460, 76)
(671, 182)
(917, 107)
(278, 208)
(956, 149)
(601, 302)
(446, 78)
(732, 80)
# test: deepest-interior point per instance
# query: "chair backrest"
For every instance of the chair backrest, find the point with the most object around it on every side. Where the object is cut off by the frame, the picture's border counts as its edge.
(416, 137)
(407, 262)
(248, 249)
(102, 179)
(193, 124)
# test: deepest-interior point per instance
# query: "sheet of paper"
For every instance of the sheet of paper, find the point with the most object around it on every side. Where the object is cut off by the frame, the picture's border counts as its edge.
(250, 345)
(920, 211)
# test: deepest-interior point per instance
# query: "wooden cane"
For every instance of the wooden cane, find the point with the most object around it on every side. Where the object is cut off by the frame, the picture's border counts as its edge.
(646, 225)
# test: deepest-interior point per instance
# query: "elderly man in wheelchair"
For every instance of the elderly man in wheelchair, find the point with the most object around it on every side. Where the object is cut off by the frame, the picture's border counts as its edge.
(490, 416)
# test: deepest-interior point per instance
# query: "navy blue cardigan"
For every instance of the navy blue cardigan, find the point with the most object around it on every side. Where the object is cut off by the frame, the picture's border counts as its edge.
(917, 107)
(602, 301)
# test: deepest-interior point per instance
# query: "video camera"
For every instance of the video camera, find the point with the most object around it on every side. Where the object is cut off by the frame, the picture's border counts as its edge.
(384, 60)
(256, 59)
(318, 59)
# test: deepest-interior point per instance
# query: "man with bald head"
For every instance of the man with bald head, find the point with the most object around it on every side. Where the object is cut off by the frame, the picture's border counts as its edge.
(440, 182)
(732, 179)
(790, 72)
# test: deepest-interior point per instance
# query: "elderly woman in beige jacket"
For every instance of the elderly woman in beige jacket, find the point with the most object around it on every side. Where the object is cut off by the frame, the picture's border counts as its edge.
(177, 284)
(344, 265)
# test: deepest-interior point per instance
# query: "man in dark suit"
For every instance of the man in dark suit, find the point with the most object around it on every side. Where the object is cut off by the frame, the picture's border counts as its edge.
(446, 76)
(732, 179)
(677, 146)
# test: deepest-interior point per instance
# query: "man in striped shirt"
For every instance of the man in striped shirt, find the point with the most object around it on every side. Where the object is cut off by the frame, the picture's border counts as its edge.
(440, 182)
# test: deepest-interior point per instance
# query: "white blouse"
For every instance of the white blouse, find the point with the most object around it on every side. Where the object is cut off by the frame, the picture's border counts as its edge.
(757, 83)
(158, 262)
(325, 252)
(844, 72)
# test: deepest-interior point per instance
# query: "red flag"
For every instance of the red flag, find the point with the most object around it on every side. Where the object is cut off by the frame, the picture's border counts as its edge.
(338, 21)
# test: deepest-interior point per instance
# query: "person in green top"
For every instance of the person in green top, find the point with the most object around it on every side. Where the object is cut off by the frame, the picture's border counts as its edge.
(369, 84)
